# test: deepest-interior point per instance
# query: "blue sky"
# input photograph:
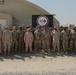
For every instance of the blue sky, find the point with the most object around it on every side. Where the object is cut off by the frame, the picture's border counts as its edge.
(65, 10)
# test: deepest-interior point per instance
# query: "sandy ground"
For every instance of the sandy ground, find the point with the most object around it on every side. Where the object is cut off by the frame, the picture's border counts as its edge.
(38, 64)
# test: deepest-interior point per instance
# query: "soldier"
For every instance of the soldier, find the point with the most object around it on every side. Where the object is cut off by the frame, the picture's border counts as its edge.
(20, 39)
(37, 39)
(28, 39)
(64, 39)
(56, 37)
(1, 40)
(7, 40)
(72, 39)
(14, 39)
(46, 39)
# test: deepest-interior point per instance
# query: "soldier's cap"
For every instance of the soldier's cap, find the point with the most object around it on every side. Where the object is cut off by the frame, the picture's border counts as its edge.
(20, 26)
(46, 26)
(28, 29)
(6, 27)
(38, 26)
(27, 26)
(55, 26)
(30, 24)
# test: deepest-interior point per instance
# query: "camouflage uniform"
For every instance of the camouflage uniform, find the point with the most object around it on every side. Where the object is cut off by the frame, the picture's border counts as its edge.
(56, 39)
(1, 41)
(20, 40)
(14, 40)
(46, 39)
(37, 40)
(72, 40)
(75, 42)
(7, 39)
(28, 39)
(64, 39)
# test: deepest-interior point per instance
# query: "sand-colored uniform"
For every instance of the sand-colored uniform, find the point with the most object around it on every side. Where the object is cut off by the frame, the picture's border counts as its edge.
(7, 39)
(56, 39)
(28, 39)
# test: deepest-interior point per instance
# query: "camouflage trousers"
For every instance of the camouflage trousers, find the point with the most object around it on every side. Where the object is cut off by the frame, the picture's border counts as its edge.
(64, 45)
(46, 45)
(0, 47)
(72, 45)
(37, 45)
(14, 45)
(21, 45)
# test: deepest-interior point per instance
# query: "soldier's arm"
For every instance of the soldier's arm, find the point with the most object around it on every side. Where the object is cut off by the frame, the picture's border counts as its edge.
(32, 37)
(24, 37)
(11, 37)
(52, 33)
(3, 37)
(17, 35)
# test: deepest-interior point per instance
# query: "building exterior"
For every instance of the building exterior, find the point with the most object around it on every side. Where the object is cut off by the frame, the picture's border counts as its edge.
(18, 12)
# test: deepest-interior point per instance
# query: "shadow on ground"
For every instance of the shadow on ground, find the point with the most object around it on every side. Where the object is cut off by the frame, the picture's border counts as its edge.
(23, 56)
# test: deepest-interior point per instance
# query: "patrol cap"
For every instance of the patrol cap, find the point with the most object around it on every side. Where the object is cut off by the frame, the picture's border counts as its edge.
(28, 29)
(28, 26)
(46, 26)
(38, 26)
(55, 26)
(6, 27)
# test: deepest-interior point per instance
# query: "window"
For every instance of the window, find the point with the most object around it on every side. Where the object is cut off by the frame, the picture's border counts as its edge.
(1, 1)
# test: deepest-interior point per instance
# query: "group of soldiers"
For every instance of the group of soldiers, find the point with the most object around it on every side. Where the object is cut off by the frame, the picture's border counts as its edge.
(39, 39)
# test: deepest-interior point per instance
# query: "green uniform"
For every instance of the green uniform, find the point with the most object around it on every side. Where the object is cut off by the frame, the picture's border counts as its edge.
(14, 41)
(20, 40)
(37, 40)
(64, 39)
(72, 40)
(46, 38)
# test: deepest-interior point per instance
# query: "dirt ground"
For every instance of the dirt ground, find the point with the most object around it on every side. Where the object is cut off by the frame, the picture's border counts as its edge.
(38, 64)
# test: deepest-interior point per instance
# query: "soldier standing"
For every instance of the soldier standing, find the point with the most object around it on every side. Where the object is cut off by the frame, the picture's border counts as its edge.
(14, 39)
(28, 39)
(1, 40)
(56, 39)
(47, 39)
(72, 39)
(37, 39)
(7, 40)
(20, 39)
(64, 39)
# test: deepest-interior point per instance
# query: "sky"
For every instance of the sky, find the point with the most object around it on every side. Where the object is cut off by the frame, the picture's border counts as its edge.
(65, 10)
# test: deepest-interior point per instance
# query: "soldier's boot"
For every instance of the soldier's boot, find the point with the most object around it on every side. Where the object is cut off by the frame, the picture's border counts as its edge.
(5, 52)
(31, 49)
(48, 50)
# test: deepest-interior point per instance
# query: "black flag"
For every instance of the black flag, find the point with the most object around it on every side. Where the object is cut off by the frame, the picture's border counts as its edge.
(42, 20)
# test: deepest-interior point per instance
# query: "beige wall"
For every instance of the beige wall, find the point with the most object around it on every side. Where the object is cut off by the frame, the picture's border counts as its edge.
(7, 19)
(21, 11)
